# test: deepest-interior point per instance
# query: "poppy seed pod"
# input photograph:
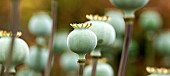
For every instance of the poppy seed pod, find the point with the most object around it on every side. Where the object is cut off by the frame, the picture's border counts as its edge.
(60, 42)
(104, 31)
(129, 6)
(20, 50)
(102, 69)
(117, 21)
(159, 75)
(81, 40)
(150, 20)
(162, 43)
(40, 24)
(68, 61)
(28, 73)
(38, 58)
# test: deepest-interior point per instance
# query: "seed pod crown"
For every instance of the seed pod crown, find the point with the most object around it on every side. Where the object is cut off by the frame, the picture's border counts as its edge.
(158, 70)
(81, 25)
(98, 18)
(9, 34)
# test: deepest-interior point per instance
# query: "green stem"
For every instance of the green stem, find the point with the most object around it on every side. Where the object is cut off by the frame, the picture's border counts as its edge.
(81, 66)
(54, 15)
(15, 24)
(96, 54)
(127, 39)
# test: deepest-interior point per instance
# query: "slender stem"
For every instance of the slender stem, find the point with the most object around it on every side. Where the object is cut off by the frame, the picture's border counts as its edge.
(96, 54)
(81, 66)
(15, 24)
(2, 70)
(127, 39)
(54, 15)
(95, 60)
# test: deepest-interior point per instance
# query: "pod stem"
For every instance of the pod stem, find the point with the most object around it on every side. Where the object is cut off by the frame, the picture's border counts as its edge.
(15, 25)
(127, 39)
(96, 54)
(94, 63)
(81, 66)
(54, 5)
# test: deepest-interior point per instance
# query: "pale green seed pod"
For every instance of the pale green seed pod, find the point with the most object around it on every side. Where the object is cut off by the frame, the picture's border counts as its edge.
(129, 6)
(102, 69)
(38, 58)
(60, 42)
(28, 73)
(162, 43)
(117, 21)
(150, 20)
(159, 75)
(68, 61)
(20, 50)
(81, 40)
(40, 24)
(104, 31)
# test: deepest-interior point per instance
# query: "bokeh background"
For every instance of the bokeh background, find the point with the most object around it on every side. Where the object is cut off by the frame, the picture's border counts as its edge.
(74, 11)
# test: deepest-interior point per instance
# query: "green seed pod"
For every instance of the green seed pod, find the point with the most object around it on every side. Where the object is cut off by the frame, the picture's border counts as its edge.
(40, 24)
(159, 75)
(81, 40)
(150, 20)
(104, 31)
(68, 61)
(38, 58)
(28, 73)
(20, 50)
(162, 43)
(129, 6)
(60, 42)
(116, 21)
(102, 69)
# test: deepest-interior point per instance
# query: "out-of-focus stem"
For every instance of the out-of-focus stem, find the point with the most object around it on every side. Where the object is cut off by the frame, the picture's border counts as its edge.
(50, 45)
(81, 66)
(127, 39)
(2, 70)
(15, 24)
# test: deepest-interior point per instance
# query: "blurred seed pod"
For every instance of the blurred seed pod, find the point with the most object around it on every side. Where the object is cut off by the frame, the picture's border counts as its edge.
(162, 43)
(117, 21)
(40, 24)
(129, 6)
(104, 31)
(28, 73)
(20, 50)
(150, 20)
(68, 61)
(38, 58)
(60, 42)
(103, 69)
